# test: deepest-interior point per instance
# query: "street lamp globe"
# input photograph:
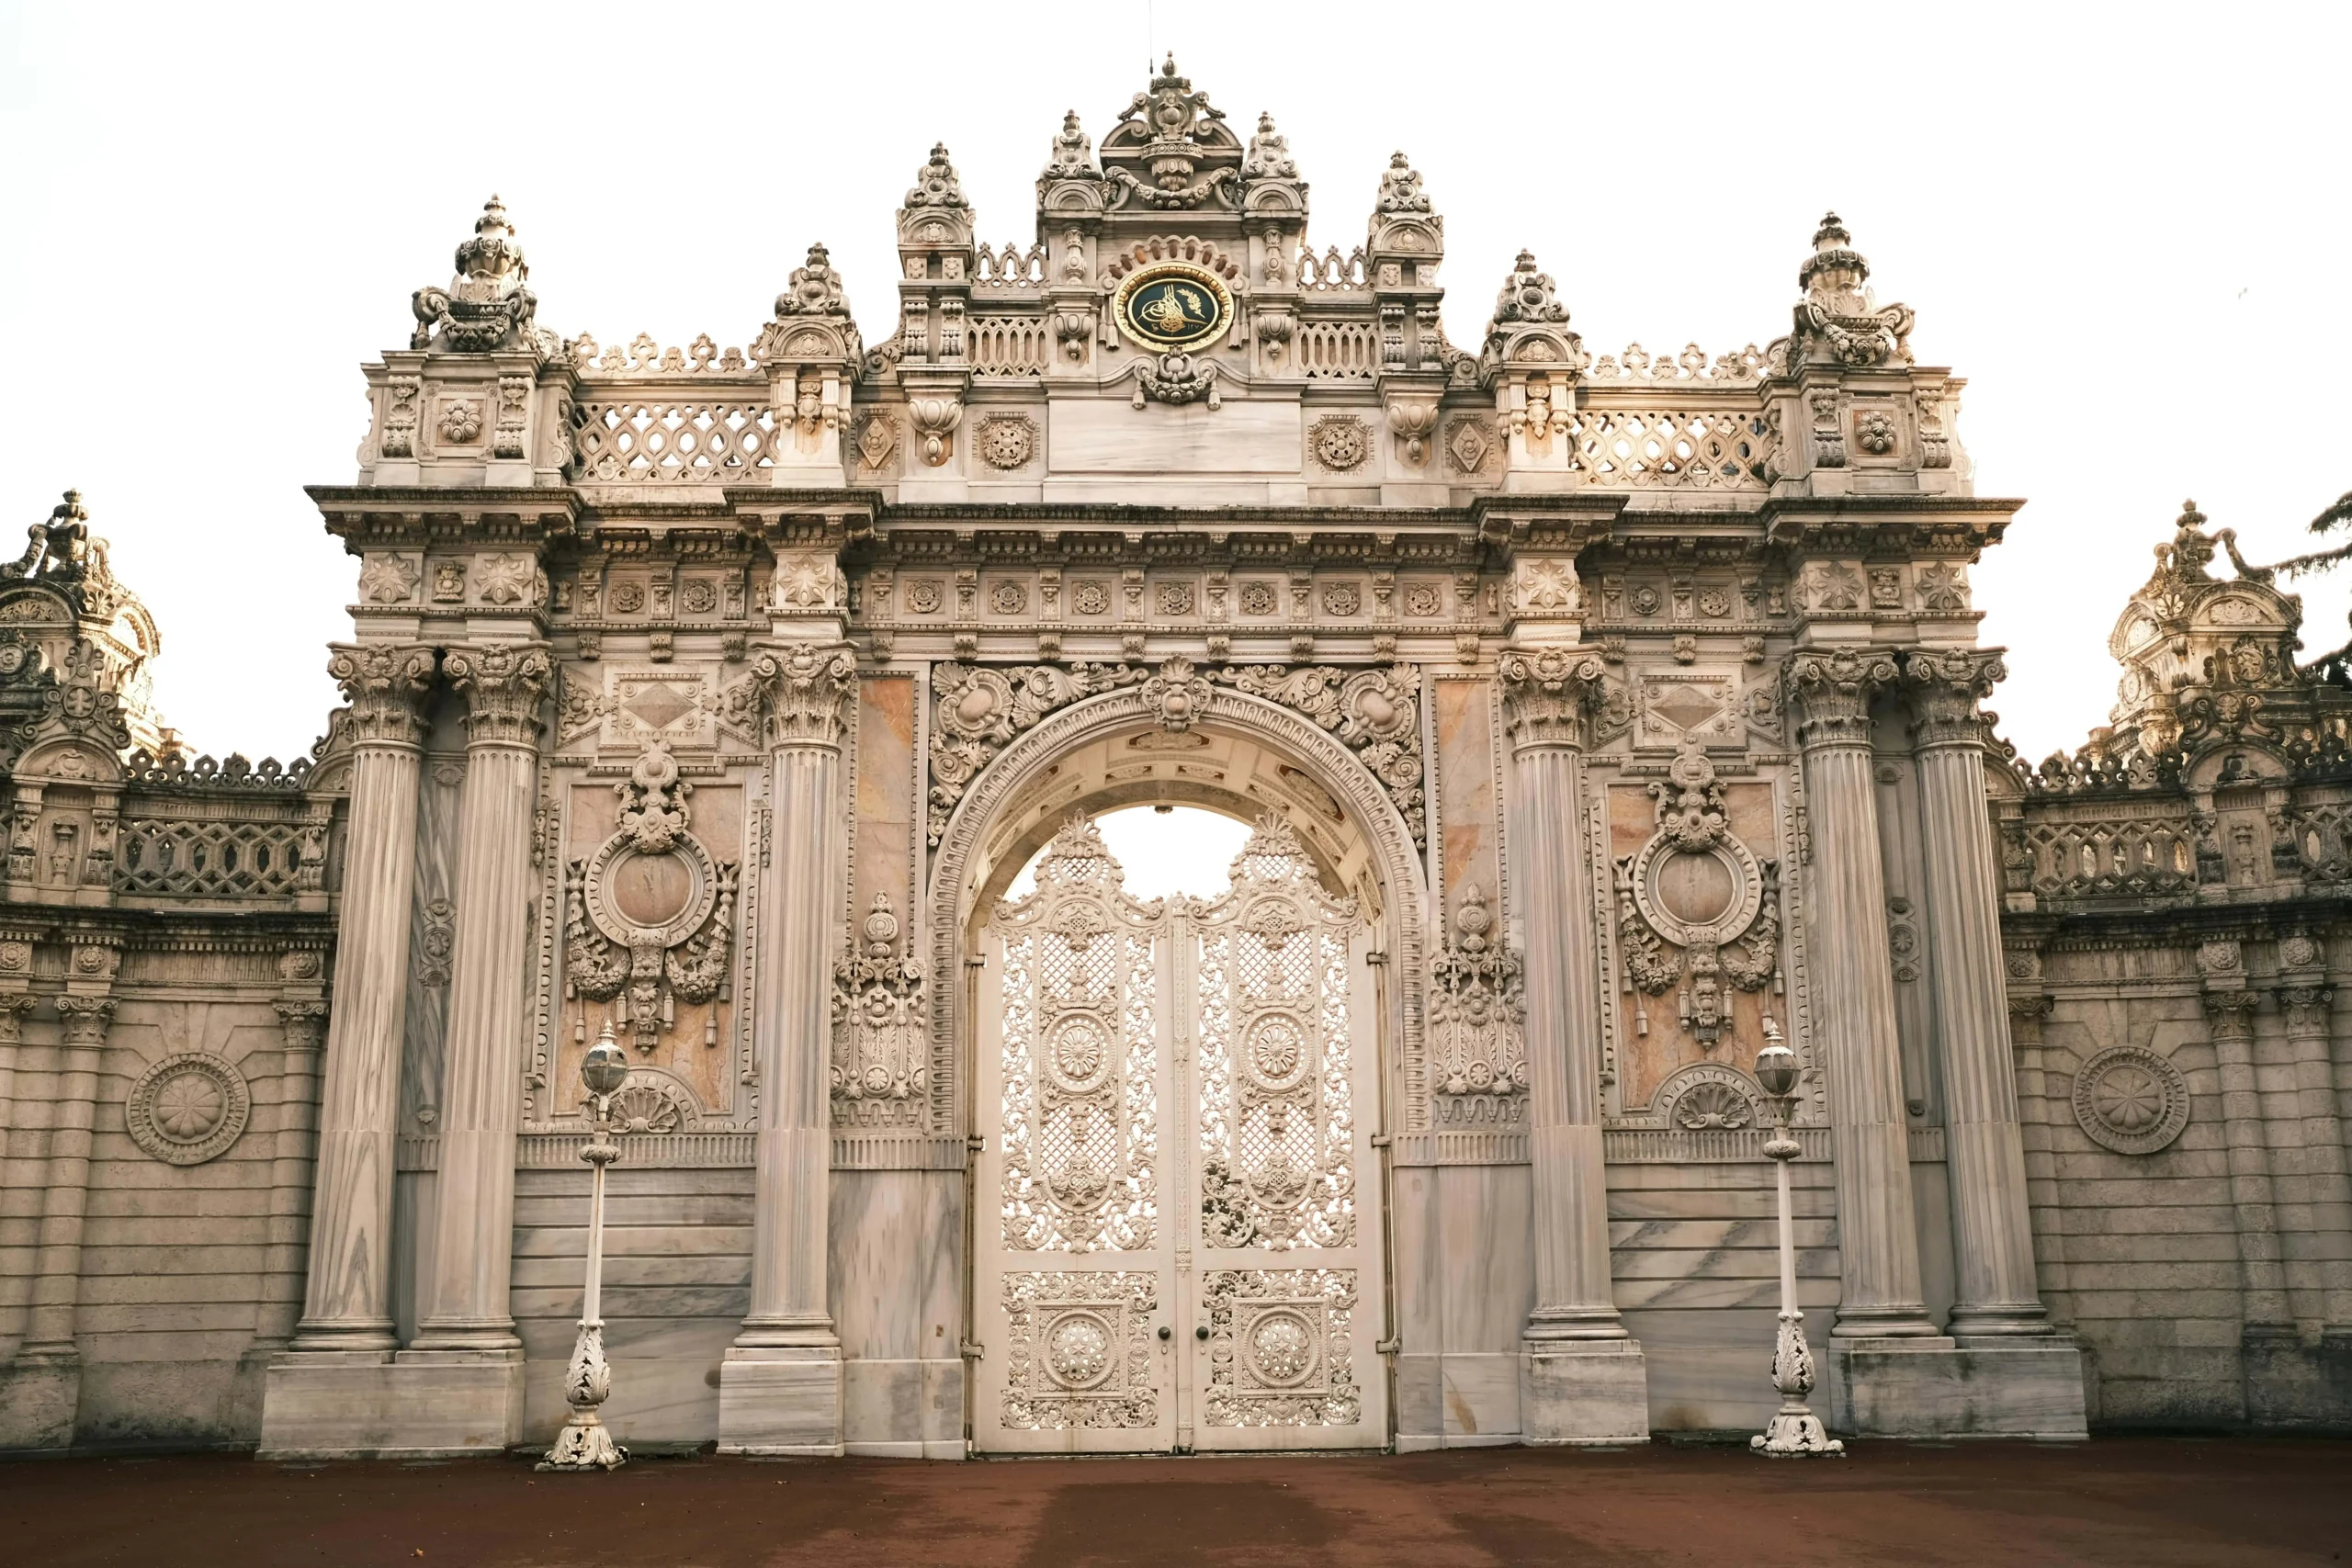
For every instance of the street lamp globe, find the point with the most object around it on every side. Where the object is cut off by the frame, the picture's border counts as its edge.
(1776, 1069)
(606, 1067)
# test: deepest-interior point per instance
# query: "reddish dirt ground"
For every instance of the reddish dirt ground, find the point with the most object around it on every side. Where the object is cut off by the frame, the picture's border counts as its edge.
(2150, 1503)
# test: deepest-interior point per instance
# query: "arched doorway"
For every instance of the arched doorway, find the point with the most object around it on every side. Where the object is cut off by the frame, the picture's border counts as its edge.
(1179, 1237)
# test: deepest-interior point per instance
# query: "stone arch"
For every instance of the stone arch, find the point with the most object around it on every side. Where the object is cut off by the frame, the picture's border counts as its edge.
(968, 860)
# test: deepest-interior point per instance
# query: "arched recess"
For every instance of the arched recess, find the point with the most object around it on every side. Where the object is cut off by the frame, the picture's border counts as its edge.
(1077, 759)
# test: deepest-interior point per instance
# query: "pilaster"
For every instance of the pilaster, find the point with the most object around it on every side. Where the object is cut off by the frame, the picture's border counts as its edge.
(2306, 1004)
(1582, 1376)
(2230, 1008)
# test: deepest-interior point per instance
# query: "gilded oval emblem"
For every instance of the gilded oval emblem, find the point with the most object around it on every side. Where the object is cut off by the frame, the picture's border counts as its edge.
(1173, 306)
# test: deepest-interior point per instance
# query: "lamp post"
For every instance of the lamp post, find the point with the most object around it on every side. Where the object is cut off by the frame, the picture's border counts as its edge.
(1795, 1431)
(586, 1442)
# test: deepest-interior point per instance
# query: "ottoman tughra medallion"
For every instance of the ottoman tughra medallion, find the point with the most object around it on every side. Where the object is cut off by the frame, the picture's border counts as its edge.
(1174, 304)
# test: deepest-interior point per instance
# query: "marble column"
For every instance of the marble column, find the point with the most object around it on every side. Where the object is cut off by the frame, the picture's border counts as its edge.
(347, 1307)
(1992, 1227)
(465, 1316)
(780, 1386)
(2306, 1004)
(2230, 1010)
(1852, 989)
(1583, 1377)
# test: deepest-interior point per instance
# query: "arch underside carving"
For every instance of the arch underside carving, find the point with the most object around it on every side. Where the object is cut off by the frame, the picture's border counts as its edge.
(1241, 756)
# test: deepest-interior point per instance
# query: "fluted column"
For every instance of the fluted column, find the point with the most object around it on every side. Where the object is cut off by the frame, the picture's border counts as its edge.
(2230, 1010)
(2307, 1003)
(348, 1303)
(84, 1012)
(780, 1387)
(1547, 694)
(482, 1079)
(1992, 1226)
(1852, 993)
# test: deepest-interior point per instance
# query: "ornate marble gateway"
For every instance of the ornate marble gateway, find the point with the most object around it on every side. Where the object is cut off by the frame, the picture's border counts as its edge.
(1598, 715)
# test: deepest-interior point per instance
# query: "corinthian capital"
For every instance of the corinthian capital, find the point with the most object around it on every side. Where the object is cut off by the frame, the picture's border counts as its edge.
(504, 687)
(1945, 688)
(1830, 689)
(1547, 692)
(807, 690)
(385, 687)
(84, 1020)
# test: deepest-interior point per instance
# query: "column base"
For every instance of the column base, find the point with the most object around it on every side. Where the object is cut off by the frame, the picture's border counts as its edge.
(1911, 1388)
(418, 1405)
(781, 1400)
(41, 1393)
(1583, 1392)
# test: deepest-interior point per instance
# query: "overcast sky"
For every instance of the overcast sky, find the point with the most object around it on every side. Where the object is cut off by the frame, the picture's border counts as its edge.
(2125, 226)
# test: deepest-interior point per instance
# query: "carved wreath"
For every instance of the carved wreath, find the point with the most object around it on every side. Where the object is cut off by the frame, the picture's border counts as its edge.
(1723, 928)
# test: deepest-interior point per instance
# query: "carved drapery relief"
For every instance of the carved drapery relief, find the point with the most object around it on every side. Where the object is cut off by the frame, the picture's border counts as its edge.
(1080, 1121)
(649, 916)
(879, 1072)
(1375, 712)
(1276, 1095)
(1697, 912)
(1477, 1007)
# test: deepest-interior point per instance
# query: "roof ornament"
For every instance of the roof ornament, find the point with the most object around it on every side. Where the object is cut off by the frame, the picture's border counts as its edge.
(1400, 190)
(935, 183)
(487, 306)
(1268, 157)
(815, 289)
(1839, 312)
(1073, 155)
(1529, 297)
(1173, 116)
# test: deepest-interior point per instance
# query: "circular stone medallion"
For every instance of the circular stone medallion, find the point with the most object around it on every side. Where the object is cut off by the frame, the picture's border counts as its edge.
(651, 890)
(1281, 1348)
(187, 1108)
(1077, 1350)
(2129, 1100)
(1697, 889)
(1174, 304)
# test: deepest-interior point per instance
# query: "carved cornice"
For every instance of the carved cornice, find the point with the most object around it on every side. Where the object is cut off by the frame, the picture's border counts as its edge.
(1547, 694)
(1830, 691)
(503, 686)
(1945, 688)
(385, 687)
(805, 689)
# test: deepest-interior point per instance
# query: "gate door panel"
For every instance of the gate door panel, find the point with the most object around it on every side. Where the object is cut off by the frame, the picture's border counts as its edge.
(1287, 1281)
(1071, 1252)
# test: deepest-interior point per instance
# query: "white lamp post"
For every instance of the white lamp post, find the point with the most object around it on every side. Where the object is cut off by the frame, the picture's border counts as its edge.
(1796, 1432)
(586, 1442)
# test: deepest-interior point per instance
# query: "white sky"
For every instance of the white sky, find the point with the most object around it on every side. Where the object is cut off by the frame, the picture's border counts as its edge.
(1181, 849)
(2125, 225)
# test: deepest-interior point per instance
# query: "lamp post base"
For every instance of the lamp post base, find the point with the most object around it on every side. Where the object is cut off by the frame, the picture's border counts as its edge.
(1795, 1431)
(586, 1442)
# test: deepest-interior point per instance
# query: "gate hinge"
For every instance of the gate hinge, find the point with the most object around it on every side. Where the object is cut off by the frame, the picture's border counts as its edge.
(1387, 1346)
(966, 1347)
(1381, 1140)
(976, 1143)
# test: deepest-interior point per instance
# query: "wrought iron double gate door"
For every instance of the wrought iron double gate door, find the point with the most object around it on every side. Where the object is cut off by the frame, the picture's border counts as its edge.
(1178, 1230)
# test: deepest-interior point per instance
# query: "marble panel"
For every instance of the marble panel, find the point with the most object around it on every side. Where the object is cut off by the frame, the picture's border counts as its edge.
(1094, 437)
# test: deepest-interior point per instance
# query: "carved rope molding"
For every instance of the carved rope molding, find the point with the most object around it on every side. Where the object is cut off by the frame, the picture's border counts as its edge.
(1335, 767)
(1373, 710)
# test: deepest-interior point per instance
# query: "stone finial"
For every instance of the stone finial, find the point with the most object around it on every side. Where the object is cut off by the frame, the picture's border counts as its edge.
(488, 305)
(1529, 296)
(935, 183)
(57, 548)
(1268, 157)
(1837, 318)
(1400, 191)
(815, 289)
(1073, 155)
